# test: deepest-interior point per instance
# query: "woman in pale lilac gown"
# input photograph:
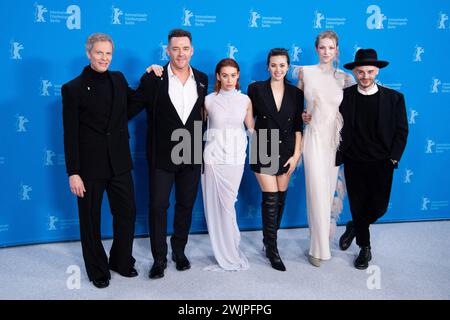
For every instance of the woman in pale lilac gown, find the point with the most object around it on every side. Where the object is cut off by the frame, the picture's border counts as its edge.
(323, 86)
(224, 157)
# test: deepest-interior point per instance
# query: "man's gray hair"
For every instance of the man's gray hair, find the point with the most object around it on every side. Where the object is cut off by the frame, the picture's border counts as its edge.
(96, 37)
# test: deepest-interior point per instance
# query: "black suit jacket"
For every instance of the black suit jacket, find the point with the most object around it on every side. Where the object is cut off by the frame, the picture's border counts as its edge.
(288, 120)
(392, 121)
(90, 150)
(147, 97)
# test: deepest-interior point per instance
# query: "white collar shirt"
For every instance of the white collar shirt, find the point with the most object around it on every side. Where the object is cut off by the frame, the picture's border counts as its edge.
(369, 92)
(183, 97)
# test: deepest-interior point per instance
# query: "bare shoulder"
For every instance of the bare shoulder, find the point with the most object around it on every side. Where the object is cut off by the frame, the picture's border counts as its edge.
(301, 71)
(300, 75)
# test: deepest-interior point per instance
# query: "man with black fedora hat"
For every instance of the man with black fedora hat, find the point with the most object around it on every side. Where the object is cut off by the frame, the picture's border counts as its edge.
(373, 140)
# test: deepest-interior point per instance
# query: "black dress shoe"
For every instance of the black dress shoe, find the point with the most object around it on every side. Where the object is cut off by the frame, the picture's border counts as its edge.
(102, 282)
(157, 270)
(362, 261)
(130, 273)
(182, 263)
(346, 239)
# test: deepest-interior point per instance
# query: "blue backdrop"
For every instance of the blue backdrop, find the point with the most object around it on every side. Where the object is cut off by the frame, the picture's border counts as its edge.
(42, 47)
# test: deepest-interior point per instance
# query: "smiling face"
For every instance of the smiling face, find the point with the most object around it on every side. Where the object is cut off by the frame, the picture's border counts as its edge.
(278, 67)
(327, 50)
(100, 55)
(180, 52)
(228, 78)
(365, 76)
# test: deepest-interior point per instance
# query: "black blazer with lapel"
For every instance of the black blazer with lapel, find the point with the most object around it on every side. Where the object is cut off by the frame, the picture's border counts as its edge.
(392, 121)
(90, 150)
(162, 117)
(288, 120)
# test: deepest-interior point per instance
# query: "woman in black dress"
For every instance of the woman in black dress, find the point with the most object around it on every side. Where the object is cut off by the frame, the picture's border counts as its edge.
(276, 144)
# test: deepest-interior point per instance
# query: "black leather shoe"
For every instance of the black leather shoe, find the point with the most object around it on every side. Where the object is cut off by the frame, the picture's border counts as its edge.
(130, 273)
(157, 270)
(182, 263)
(362, 261)
(101, 283)
(347, 237)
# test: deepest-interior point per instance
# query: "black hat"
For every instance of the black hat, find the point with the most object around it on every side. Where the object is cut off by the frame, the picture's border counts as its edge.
(366, 57)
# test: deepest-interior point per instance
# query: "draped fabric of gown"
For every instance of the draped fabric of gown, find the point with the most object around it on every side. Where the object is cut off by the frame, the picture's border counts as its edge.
(224, 159)
(323, 92)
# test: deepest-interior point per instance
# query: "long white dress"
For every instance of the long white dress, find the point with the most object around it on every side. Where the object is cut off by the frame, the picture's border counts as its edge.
(323, 92)
(224, 159)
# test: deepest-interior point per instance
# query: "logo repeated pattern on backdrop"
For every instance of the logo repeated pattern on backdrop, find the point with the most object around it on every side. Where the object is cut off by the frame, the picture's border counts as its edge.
(16, 48)
(442, 21)
(324, 22)
(378, 20)
(71, 16)
(119, 17)
(418, 53)
(257, 20)
(189, 19)
(44, 48)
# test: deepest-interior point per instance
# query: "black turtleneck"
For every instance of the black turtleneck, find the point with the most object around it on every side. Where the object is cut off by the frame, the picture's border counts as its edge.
(366, 145)
(103, 90)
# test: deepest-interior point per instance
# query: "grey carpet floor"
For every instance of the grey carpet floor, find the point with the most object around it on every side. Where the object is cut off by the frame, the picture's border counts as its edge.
(410, 261)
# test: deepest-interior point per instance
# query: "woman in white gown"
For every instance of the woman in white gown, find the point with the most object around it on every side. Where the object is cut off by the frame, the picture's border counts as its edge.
(323, 86)
(227, 110)
(224, 157)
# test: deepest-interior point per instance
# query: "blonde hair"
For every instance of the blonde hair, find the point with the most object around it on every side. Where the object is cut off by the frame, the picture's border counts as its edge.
(330, 34)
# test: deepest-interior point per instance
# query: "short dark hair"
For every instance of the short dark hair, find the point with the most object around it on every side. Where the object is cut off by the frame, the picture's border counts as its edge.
(278, 52)
(177, 33)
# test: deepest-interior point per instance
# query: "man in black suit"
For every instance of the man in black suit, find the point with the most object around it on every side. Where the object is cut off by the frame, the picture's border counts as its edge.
(373, 140)
(174, 104)
(98, 158)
